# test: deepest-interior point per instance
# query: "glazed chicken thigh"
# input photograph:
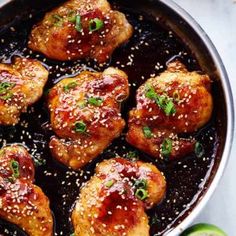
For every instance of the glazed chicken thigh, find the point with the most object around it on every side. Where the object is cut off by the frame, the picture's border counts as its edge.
(21, 202)
(80, 29)
(176, 102)
(21, 85)
(85, 115)
(114, 200)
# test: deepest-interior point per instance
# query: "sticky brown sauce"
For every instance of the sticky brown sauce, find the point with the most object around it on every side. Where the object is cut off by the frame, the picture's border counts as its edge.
(145, 55)
(126, 216)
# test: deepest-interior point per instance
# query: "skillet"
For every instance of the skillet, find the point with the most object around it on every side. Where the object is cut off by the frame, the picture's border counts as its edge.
(163, 32)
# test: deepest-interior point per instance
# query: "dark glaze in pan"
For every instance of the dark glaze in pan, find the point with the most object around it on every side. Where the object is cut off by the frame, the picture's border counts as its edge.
(146, 54)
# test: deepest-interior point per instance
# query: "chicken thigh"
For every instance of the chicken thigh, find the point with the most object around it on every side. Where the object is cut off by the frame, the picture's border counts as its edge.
(21, 202)
(85, 114)
(114, 200)
(80, 29)
(176, 102)
(21, 85)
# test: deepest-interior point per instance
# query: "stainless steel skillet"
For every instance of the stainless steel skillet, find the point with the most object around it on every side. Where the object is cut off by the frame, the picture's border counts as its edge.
(173, 18)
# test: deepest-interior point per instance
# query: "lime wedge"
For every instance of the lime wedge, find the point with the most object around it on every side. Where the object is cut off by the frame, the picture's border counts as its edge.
(203, 230)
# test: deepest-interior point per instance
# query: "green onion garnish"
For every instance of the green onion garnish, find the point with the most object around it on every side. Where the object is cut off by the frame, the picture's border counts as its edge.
(5, 87)
(163, 101)
(166, 147)
(15, 169)
(166, 104)
(150, 92)
(72, 19)
(78, 25)
(141, 194)
(81, 104)
(57, 19)
(95, 24)
(95, 101)
(39, 162)
(69, 86)
(132, 155)
(71, 16)
(169, 108)
(7, 96)
(199, 150)
(109, 183)
(140, 184)
(154, 220)
(80, 127)
(147, 132)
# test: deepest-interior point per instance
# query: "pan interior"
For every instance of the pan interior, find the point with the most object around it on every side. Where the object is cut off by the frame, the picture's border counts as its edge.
(160, 36)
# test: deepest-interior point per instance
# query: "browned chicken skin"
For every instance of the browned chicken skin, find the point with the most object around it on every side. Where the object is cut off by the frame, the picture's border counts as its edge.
(175, 102)
(85, 114)
(21, 85)
(21, 202)
(114, 200)
(80, 29)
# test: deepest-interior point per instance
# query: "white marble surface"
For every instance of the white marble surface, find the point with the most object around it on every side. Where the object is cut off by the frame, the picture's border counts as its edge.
(218, 19)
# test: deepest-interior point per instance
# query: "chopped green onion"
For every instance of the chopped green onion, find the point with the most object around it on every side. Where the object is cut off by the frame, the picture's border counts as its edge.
(199, 150)
(69, 86)
(132, 155)
(147, 132)
(57, 19)
(166, 104)
(95, 101)
(39, 162)
(5, 87)
(109, 183)
(71, 16)
(169, 108)
(80, 127)
(166, 147)
(141, 194)
(15, 169)
(154, 220)
(72, 19)
(81, 104)
(73, 234)
(163, 101)
(110, 154)
(78, 25)
(95, 24)
(150, 92)
(7, 96)
(140, 184)
(176, 95)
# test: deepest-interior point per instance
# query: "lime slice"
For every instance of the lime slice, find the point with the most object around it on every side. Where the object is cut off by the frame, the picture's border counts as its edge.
(203, 230)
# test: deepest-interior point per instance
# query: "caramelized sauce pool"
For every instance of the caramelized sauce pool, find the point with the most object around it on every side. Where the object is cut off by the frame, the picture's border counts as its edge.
(145, 55)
